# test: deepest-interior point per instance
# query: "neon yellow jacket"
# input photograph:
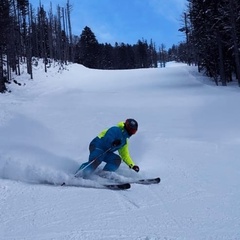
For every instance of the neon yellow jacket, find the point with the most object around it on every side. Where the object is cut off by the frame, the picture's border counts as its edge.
(107, 136)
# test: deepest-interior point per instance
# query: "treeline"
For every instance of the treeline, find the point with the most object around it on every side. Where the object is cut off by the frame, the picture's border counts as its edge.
(92, 54)
(28, 33)
(212, 31)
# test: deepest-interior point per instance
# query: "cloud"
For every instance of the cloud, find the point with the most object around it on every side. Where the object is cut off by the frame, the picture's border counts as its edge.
(104, 35)
(170, 10)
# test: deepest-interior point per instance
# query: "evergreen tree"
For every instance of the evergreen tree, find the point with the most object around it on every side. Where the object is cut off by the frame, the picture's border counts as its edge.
(141, 52)
(214, 37)
(88, 49)
(5, 24)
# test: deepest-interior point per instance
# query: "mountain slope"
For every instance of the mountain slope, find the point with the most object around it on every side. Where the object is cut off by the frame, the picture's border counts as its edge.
(188, 135)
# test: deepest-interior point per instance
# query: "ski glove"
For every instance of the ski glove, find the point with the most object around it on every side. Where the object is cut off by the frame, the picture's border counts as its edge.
(116, 143)
(135, 168)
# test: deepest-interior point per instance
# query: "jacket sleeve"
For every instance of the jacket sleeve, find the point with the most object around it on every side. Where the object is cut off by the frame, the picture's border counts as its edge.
(124, 153)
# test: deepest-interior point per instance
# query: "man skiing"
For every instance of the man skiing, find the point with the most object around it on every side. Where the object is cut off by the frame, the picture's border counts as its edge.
(103, 146)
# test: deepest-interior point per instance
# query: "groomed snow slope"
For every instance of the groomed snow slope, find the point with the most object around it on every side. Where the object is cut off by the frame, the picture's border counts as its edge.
(188, 135)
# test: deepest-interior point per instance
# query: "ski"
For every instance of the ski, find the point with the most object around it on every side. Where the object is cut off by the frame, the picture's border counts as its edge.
(118, 179)
(147, 181)
(111, 186)
(118, 186)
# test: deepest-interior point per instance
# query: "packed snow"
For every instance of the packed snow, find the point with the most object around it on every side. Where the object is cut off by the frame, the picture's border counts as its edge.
(188, 135)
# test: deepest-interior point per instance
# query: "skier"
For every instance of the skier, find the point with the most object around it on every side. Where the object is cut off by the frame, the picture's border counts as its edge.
(103, 146)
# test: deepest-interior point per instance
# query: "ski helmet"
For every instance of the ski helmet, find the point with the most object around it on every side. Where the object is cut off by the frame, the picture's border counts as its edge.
(131, 126)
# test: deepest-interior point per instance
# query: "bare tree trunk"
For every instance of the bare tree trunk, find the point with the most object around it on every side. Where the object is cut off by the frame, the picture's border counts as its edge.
(29, 43)
(221, 60)
(187, 39)
(71, 58)
(2, 78)
(64, 38)
(233, 18)
(58, 34)
(50, 33)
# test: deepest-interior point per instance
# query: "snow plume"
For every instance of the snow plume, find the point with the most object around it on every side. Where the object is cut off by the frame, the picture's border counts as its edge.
(41, 171)
(34, 168)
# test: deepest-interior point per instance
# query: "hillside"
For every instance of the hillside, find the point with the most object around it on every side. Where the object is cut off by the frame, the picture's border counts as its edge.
(188, 135)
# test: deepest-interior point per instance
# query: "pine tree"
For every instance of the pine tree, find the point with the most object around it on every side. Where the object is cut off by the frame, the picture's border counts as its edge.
(88, 49)
(215, 37)
(5, 23)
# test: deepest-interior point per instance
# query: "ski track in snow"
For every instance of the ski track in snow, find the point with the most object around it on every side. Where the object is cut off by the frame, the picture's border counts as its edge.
(184, 137)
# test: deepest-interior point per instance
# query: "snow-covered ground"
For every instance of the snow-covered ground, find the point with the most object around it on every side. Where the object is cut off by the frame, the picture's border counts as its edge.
(188, 135)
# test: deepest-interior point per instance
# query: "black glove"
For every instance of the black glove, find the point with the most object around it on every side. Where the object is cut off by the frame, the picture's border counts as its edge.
(135, 168)
(116, 143)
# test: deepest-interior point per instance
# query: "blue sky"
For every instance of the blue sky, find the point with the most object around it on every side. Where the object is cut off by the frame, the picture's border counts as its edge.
(126, 21)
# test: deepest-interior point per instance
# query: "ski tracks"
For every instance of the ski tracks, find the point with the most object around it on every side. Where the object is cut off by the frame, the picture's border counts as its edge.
(4, 194)
(139, 197)
(153, 216)
(142, 207)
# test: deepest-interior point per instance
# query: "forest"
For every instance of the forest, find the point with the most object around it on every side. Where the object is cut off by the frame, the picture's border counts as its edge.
(27, 35)
(211, 29)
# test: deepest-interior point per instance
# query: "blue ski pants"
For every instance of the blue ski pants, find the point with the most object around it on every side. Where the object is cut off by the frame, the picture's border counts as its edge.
(97, 156)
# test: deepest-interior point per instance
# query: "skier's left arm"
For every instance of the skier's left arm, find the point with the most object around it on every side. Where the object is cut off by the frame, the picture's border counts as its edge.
(125, 155)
